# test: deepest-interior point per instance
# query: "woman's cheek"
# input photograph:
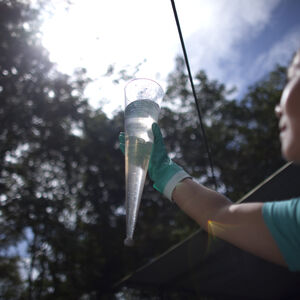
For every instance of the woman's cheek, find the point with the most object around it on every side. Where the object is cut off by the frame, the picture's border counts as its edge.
(292, 100)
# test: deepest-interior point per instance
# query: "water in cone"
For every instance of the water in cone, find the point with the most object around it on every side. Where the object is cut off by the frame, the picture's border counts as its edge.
(139, 117)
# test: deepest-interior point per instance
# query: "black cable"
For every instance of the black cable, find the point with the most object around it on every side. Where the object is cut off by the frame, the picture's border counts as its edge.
(194, 93)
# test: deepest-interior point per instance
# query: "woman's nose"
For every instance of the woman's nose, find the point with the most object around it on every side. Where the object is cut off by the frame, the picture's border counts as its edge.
(278, 111)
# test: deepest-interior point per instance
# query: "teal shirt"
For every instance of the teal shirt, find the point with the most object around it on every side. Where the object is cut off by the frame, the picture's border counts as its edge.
(283, 220)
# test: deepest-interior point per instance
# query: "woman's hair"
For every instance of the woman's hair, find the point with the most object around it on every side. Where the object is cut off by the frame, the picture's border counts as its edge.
(294, 68)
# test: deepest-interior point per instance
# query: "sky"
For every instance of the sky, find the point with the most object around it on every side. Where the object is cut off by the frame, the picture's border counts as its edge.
(234, 41)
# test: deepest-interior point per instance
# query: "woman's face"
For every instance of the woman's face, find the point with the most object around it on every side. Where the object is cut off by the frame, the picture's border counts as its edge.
(288, 112)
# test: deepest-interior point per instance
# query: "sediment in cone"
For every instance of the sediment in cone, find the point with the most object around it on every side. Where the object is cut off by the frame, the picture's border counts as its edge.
(129, 242)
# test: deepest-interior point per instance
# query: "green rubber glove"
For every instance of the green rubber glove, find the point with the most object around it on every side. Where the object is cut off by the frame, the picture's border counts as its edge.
(162, 170)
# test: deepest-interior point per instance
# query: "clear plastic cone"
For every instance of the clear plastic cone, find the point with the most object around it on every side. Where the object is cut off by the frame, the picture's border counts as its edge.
(142, 98)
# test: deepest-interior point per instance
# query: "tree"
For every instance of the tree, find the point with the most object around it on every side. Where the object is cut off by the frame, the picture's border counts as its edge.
(241, 133)
(62, 175)
(37, 105)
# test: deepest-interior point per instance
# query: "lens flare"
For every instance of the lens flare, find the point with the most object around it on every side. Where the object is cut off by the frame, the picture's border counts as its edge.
(215, 230)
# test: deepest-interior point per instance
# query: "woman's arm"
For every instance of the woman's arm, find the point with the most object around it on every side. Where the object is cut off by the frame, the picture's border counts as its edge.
(239, 224)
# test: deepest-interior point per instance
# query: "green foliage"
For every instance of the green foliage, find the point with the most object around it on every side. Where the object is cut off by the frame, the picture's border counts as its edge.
(10, 281)
(242, 134)
(250, 136)
(62, 176)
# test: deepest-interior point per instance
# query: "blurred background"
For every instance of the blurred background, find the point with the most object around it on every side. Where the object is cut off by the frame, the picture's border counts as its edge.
(63, 67)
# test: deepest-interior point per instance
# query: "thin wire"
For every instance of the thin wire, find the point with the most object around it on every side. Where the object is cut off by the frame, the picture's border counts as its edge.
(194, 93)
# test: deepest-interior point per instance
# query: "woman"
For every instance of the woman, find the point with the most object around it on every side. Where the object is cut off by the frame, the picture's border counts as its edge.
(270, 230)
